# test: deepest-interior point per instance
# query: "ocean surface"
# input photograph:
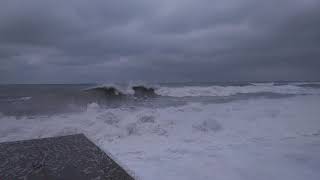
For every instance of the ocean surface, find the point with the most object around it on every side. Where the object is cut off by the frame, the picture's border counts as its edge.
(205, 131)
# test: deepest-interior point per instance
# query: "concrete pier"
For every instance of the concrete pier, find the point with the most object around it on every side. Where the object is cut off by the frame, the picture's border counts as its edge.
(58, 158)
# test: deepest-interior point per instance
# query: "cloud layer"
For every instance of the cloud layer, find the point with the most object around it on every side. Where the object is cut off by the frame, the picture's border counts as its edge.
(44, 41)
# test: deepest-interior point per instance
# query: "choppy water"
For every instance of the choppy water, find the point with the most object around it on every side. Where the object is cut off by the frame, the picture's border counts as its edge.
(50, 99)
(190, 131)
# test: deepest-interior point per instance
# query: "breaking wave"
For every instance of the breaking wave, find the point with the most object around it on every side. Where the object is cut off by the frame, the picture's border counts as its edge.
(118, 91)
(300, 88)
(53, 99)
(187, 91)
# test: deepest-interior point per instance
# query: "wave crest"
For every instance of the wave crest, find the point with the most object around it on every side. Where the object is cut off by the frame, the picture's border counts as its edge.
(188, 91)
(114, 91)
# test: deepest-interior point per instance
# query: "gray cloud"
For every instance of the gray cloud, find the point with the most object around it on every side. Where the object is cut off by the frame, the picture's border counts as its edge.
(44, 41)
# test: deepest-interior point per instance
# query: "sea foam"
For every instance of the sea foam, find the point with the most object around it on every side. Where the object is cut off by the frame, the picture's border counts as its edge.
(188, 91)
(246, 139)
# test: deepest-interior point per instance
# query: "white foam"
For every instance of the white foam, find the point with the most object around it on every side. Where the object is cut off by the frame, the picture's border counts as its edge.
(304, 83)
(25, 98)
(233, 90)
(263, 84)
(248, 139)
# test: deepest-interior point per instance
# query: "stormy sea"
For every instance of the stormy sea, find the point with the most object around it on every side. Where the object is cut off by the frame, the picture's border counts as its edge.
(187, 131)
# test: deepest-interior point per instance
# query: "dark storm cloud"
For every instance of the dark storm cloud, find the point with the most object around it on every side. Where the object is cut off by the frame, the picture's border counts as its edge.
(178, 40)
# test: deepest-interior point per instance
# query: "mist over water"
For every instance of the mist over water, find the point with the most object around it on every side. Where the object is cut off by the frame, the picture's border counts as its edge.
(187, 131)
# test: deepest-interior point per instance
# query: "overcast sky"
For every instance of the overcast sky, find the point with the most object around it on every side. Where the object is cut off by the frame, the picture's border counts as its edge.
(77, 41)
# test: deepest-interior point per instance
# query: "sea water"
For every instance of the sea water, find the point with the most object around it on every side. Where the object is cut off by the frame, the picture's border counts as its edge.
(190, 131)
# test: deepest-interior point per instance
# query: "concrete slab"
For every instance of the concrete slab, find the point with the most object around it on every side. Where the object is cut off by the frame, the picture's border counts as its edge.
(57, 158)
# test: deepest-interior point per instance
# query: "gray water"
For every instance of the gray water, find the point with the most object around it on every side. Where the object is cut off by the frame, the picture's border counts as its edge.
(33, 99)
